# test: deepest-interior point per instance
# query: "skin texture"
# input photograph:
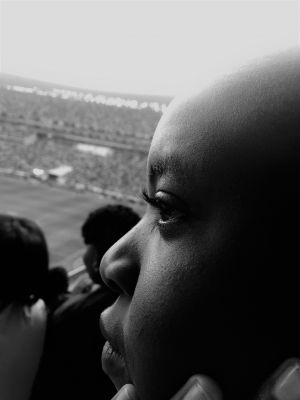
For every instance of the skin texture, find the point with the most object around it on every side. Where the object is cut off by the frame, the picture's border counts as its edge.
(201, 279)
(91, 261)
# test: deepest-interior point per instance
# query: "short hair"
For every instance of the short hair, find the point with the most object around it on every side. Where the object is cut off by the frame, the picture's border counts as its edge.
(24, 260)
(105, 225)
(58, 280)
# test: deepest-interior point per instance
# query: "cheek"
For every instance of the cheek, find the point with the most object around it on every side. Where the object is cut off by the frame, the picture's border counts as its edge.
(159, 326)
(174, 326)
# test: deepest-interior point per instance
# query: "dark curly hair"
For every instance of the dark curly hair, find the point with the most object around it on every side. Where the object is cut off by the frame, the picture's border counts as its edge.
(24, 260)
(104, 226)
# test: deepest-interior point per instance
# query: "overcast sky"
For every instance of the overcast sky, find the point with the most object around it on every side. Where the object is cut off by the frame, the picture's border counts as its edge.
(140, 47)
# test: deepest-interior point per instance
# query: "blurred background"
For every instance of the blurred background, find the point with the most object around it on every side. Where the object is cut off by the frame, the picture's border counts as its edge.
(83, 85)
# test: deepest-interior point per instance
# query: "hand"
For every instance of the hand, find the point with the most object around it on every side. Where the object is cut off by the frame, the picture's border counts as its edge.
(127, 392)
(197, 388)
(283, 385)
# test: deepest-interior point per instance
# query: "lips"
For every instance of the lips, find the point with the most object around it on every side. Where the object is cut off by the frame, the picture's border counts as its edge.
(113, 362)
(110, 352)
(106, 329)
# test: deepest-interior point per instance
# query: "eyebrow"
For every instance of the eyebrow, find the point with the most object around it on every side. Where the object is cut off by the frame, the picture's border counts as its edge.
(166, 164)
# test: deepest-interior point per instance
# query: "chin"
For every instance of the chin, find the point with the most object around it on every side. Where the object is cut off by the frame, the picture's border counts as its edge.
(159, 385)
(120, 380)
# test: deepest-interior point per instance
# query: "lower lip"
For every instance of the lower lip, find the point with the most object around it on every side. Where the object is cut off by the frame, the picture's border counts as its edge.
(113, 365)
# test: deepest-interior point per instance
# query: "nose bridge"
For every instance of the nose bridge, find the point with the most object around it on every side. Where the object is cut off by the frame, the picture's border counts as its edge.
(119, 267)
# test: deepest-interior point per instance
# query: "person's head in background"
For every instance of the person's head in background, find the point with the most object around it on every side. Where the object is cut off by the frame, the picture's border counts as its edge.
(24, 261)
(102, 228)
(57, 287)
(58, 279)
(209, 278)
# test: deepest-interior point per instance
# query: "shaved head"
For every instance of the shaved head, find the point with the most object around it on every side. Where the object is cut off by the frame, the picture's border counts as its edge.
(257, 107)
(250, 123)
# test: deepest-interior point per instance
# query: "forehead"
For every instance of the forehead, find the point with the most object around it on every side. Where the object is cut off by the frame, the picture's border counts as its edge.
(184, 141)
(242, 125)
(167, 159)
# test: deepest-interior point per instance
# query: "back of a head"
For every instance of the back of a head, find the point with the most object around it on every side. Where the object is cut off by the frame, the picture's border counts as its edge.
(257, 119)
(24, 260)
(58, 280)
(260, 111)
(108, 224)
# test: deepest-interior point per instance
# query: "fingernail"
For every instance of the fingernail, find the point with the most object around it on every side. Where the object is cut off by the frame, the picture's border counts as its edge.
(125, 393)
(196, 392)
(130, 392)
(288, 385)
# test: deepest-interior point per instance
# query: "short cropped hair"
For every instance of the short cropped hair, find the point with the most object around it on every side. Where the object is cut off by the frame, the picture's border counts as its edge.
(113, 219)
(24, 260)
(58, 280)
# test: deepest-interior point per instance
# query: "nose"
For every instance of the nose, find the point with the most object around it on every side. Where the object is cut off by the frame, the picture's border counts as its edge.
(119, 267)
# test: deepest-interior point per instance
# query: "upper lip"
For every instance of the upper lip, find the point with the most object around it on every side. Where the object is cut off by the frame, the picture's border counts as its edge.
(110, 329)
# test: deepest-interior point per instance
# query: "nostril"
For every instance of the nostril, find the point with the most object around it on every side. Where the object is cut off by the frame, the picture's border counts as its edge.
(126, 288)
(120, 273)
(112, 286)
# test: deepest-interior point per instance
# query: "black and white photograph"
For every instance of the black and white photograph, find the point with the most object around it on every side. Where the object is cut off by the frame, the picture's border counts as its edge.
(149, 200)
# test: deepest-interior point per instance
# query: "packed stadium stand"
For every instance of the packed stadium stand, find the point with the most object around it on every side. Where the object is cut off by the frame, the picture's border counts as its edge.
(64, 151)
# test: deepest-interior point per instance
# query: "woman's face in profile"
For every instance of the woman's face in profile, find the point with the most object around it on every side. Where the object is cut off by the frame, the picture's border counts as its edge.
(177, 312)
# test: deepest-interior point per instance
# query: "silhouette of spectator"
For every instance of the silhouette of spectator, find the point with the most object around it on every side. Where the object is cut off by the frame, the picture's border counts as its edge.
(71, 367)
(23, 314)
(112, 220)
(58, 283)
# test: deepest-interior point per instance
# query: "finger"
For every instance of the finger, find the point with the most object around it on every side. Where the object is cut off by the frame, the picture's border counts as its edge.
(199, 387)
(284, 384)
(127, 392)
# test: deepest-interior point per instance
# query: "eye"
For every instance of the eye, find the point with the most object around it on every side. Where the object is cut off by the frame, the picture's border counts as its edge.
(171, 209)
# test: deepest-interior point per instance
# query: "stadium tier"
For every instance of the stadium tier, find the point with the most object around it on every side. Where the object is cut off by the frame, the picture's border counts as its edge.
(99, 151)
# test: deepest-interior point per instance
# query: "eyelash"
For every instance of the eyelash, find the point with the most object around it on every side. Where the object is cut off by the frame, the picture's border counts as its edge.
(164, 209)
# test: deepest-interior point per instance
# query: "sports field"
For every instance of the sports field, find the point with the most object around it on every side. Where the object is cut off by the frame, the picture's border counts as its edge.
(59, 212)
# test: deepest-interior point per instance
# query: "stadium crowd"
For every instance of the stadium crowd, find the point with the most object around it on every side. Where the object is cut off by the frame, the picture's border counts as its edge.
(90, 118)
(31, 137)
(121, 171)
